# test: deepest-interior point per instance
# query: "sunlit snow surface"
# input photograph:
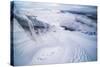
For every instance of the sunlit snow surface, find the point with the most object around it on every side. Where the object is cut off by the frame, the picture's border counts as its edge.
(48, 33)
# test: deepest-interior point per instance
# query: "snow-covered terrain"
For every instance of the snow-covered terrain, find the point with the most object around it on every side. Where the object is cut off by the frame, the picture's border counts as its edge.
(49, 36)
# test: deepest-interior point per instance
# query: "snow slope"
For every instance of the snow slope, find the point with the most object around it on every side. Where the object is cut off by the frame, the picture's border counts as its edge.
(52, 46)
(56, 44)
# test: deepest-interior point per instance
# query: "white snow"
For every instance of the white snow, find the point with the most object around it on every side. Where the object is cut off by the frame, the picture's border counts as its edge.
(56, 45)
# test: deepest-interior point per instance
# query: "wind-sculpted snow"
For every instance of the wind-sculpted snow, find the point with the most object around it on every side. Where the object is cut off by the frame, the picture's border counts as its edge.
(48, 37)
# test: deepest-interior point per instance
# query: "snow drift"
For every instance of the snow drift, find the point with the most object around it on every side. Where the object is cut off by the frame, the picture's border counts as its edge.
(45, 36)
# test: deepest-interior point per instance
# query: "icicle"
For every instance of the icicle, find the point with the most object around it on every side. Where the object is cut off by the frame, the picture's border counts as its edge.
(31, 27)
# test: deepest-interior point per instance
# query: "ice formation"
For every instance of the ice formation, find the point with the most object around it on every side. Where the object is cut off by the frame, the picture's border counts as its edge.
(48, 37)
